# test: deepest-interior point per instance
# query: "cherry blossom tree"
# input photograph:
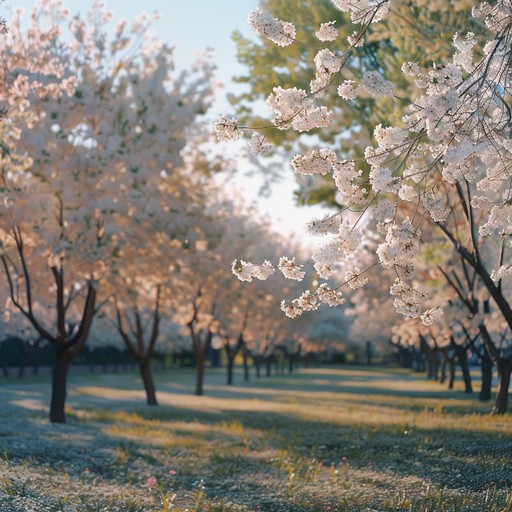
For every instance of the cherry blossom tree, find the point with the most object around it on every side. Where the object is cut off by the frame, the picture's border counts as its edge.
(89, 128)
(142, 275)
(445, 165)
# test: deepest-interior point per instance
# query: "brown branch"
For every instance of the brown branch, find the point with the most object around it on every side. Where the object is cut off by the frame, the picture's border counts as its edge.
(26, 312)
(58, 275)
(77, 341)
(156, 321)
(122, 332)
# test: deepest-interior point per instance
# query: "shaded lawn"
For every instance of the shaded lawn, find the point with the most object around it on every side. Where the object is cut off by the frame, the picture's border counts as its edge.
(338, 439)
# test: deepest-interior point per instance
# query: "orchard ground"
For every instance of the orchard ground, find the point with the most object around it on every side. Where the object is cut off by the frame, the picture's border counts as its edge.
(323, 439)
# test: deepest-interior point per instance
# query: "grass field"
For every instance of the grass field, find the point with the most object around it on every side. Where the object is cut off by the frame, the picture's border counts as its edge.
(344, 439)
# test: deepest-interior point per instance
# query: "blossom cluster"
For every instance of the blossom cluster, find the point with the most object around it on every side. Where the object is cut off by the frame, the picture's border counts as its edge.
(311, 301)
(279, 32)
(294, 108)
(227, 129)
(364, 11)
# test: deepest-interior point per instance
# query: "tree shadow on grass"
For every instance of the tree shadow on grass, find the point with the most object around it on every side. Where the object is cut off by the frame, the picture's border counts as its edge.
(247, 441)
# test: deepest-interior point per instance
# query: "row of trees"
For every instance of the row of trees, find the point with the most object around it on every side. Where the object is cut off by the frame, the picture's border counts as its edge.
(405, 130)
(111, 217)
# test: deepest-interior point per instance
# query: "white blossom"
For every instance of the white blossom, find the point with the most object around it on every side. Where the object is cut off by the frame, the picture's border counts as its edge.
(384, 211)
(246, 271)
(376, 85)
(401, 245)
(292, 107)
(355, 279)
(464, 55)
(327, 62)
(347, 90)
(279, 32)
(431, 316)
(436, 206)
(382, 180)
(411, 69)
(407, 193)
(259, 145)
(499, 221)
(330, 297)
(307, 301)
(356, 39)
(503, 272)
(330, 224)
(408, 299)
(290, 269)
(227, 129)
(327, 31)
(345, 175)
(389, 137)
(347, 238)
(319, 161)
(291, 310)
(363, 11)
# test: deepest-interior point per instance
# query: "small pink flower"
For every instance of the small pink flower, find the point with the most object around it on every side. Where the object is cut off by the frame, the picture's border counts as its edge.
(151, 481)
(172, 472)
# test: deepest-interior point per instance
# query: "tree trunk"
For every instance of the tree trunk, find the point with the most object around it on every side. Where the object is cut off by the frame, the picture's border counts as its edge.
(444, 362)
(245, 354)
(290, 362)
(462, 356)
(59, 382)
(504, 370)
(268, 363)
(230, 368)
(36, 350)
(486, 388)
(428, 365)
(24, 359)
(417, 358)
(434, 355)
(147, 380)
(451, 380)
(369, 353)
(257, 366)
(199, 374)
